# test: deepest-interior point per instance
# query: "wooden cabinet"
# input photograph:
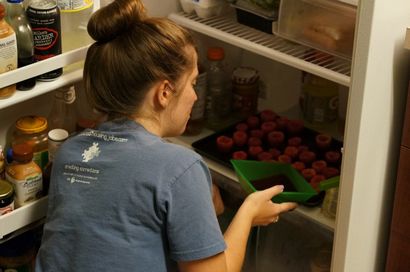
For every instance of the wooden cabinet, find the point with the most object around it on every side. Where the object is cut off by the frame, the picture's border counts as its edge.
(398, 258)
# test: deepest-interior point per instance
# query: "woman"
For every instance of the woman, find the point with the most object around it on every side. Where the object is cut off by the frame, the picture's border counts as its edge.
(123, 199)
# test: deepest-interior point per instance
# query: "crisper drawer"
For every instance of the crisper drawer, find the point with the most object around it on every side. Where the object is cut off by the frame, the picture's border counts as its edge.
(326, 25)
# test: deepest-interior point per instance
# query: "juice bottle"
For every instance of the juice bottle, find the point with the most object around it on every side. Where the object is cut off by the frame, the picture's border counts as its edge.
(25, 175)
(8, 52)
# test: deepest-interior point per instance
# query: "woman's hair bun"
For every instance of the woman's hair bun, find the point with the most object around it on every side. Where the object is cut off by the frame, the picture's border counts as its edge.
(114, 19)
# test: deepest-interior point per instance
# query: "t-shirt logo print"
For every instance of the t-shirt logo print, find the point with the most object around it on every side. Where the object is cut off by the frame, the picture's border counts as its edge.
(91, 153)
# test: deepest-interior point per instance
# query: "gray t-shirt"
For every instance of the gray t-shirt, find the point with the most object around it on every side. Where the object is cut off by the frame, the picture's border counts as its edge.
(122, 199)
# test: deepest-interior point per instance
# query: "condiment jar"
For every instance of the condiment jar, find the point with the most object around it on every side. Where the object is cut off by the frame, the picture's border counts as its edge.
(245, 88)
(33, 131)
(25, 175)
(329, 204)
(6, 197)
(319, 101)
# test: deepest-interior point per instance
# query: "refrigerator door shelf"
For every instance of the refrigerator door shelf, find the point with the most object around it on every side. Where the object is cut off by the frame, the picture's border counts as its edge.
(35, 69)
(22, 217)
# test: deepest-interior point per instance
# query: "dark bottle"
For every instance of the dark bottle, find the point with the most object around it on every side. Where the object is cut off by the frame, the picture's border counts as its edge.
(45, 21)
(16, 17)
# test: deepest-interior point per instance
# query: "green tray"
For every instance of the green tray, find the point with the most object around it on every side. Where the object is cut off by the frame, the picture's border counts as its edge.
(248, 171)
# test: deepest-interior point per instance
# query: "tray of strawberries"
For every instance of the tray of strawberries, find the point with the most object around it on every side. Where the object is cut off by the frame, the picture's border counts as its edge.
(269, 137)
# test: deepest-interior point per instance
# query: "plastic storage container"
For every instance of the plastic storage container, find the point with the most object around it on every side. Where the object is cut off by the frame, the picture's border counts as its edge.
(248, 13)
(187, 5)
(325, 25)
(209, 8)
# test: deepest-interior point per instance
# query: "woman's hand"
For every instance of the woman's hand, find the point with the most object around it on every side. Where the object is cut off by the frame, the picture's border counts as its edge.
(263, 210)
(217, 200)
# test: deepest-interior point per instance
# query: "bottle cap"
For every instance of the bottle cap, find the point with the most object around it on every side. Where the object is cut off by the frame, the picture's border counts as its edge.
(22, 152)
(58, 135)
(245, 75)
(216, 53)
(15, 1)
(31, 124)
(66, 94)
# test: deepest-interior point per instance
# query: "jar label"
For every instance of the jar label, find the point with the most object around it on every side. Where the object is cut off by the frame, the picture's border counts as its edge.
(8, 53)
(319, 109)
(74, 5)
(6, 209)
(27, 189)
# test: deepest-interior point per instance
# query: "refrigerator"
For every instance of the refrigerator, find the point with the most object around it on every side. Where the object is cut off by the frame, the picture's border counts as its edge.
(375, 85)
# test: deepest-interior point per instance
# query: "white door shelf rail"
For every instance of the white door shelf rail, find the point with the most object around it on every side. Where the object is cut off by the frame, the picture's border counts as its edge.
(267, 45)
(39, 68)
(23, 216)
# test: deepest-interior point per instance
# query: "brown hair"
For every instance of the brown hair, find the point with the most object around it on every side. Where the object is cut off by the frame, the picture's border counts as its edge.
(131, 53)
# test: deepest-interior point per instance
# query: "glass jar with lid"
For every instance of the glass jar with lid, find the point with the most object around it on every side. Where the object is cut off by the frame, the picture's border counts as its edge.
(33, 130)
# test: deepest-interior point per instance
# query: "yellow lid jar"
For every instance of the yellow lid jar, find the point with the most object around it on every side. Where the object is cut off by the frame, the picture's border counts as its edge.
(32, 130)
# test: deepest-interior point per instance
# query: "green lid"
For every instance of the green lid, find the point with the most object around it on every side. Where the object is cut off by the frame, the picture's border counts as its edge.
(6, 189)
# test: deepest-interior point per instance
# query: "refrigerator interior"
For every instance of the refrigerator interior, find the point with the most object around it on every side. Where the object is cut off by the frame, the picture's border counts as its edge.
(375, 100)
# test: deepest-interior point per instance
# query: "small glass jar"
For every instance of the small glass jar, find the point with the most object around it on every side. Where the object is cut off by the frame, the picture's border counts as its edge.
(33, 131)
(6, 197)
(245, 88)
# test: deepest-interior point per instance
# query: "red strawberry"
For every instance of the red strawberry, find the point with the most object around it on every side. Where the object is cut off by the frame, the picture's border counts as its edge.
(265, 156)
(284, 158)
(308, 173)
(323, 141)
(298, 165)
(268, 115)
(267, 127)
(332, 156)
(254, 141)
(241, 126)
(256, 133)
(240, 137)
(276, 138)
(294, 141)
(239, 155)
(307, 157)
(253, 121)
(224, 143)
(291, 151)
(253, 151)
(319, 165)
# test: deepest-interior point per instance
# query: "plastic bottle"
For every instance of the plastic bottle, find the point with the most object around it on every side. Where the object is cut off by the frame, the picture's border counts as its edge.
(16, 17)
(8, 52)
(25, 175)
(74, 19)
(56, 138)
(197, 118)
(219, 95)
(63, 113)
